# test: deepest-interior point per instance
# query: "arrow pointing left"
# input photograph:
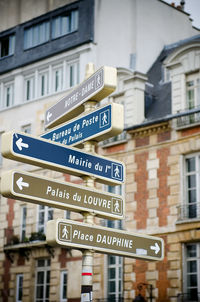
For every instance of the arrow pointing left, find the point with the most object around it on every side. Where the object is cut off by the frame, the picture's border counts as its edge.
(21, 145)
(20, 183)
(49, 115)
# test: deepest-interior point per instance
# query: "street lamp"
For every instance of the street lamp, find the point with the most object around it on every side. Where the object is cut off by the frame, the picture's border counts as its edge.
(149, 288)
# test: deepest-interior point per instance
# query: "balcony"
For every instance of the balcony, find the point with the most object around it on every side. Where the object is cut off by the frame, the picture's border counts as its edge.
(14, 245)
(189, 212)
(193, 296)
(188, 118)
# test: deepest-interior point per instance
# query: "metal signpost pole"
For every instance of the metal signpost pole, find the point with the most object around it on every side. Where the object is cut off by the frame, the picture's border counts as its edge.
(87, 257)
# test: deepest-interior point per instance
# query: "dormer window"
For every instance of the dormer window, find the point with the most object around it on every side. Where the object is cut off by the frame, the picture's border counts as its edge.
(36, 34)
(65, 24)
(193, 91)
(7, 46)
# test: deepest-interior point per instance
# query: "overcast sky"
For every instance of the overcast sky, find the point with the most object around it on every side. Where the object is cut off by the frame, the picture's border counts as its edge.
(193, 8)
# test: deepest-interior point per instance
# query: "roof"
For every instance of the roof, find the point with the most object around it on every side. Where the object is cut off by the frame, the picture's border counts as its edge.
(157, 91)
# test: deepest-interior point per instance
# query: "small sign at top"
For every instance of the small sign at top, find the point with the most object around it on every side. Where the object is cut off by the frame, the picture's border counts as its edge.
(98, 86)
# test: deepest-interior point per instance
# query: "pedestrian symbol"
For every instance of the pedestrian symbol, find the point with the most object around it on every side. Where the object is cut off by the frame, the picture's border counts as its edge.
(65, 232)
(116, 206)
(104, 119)
(99, 79)
(117, 171)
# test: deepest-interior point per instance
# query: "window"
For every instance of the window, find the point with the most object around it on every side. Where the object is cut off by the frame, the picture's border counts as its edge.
(44, 214)
(67, 214)
(29, 88)
(58, 79)
(65, 24)
(114, 263)
(63, 293)
(19, 288)
(8, 98)
(114, 278)
(23, 223)
(42, 280)
(192, 271)
(7, 46)
(193, 90)
(73, 74)
(192, 188)
(26, 128)
(1, 158)
(193, 96)
(36, 35)
(43, 83)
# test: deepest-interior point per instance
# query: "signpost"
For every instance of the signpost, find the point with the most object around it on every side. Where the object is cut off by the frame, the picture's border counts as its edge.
(52, 151)
(40, 152)
(104, 240)
(98, 86)
(98, 125)
(67, 196)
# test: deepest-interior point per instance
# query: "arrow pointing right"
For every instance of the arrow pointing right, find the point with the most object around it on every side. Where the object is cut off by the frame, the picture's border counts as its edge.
(21, 184)
(155, 247)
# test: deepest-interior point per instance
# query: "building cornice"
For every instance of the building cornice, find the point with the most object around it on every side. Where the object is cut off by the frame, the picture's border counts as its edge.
(149, 130)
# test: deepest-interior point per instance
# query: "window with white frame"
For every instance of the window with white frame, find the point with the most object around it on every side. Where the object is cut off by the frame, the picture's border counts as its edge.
(191, 207)
(58, 78)
(191, 272)
(115, 268)
(8, 95)
(23, 222)
(42, 288)
(73, 74)
(36, 34)
(45, 214)
(19, 287)
(63, 287)
(43, 84)
(114, 263)
(65, 24)
(7, 46)
(193, 90)
(29, 87)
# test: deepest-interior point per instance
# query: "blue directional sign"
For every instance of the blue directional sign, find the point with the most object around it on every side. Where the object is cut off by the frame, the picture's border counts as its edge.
(97, 125)
(47, 154)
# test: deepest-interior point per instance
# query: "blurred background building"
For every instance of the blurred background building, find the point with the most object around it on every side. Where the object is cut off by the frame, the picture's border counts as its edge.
(44, 49)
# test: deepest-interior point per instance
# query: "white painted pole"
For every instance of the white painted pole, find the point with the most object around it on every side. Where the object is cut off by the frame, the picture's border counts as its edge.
(87, 260)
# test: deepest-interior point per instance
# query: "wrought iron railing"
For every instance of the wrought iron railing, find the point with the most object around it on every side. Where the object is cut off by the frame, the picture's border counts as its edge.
(189, 117)
(190, 297)
(121, 299)
(189, 211)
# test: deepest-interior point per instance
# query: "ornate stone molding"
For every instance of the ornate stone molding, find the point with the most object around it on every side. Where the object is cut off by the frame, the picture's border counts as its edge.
(149, 130)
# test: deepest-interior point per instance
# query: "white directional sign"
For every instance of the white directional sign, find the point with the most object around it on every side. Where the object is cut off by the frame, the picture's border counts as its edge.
(63, 195)
(98, 86)
(97, 125)
(104, 240)
(46, 154)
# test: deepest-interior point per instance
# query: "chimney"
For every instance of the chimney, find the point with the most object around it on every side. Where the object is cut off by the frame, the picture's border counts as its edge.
(182, 3)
